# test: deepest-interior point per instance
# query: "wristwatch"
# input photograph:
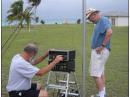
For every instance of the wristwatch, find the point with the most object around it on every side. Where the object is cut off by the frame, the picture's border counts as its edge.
(103, 45)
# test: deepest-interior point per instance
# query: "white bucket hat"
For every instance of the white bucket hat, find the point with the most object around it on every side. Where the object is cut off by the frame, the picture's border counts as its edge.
(90, 11)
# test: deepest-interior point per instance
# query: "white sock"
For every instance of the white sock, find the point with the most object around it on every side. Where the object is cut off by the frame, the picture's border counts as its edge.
(102, 93)
(104, 89)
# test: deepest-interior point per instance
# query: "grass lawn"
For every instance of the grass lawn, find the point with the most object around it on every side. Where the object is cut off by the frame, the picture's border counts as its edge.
(70, 37)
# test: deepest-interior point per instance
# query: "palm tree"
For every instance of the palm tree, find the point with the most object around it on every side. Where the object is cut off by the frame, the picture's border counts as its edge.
(28, 16)
(35, 3)
(15, 12)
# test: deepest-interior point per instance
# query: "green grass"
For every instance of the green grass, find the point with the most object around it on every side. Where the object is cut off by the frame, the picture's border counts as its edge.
(70, 37)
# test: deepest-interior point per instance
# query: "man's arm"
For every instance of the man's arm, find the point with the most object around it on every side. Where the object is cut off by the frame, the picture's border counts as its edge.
(105, 41)
(46, 69)
(40, 59)
(107, 37)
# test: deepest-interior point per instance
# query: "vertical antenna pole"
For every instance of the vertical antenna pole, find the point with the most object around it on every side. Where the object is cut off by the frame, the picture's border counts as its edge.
(83, 48)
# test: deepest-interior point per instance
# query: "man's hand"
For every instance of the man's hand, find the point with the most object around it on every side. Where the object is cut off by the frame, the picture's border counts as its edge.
(58, 59)
(46, 69)
(99, 49)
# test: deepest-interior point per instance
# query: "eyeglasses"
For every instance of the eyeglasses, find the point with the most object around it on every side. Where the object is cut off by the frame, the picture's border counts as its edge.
(92, 15)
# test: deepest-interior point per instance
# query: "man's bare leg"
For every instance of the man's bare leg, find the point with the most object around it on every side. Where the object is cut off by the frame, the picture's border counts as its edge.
(43, 93)
(99, 83)
(103, 78)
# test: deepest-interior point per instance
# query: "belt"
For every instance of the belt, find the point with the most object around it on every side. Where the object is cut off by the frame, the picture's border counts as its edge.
(17, 93)
(106, 48)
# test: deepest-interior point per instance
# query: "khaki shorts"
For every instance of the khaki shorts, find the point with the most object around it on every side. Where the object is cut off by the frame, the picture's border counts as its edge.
(97, 62)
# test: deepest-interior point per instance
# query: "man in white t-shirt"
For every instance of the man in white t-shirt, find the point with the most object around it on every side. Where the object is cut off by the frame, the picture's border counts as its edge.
(22, 70)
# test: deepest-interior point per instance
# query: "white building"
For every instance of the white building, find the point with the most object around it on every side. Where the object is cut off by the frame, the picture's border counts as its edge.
(118, 18)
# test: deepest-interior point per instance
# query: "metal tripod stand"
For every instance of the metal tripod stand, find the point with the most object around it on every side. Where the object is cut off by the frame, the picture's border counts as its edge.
(65, 84)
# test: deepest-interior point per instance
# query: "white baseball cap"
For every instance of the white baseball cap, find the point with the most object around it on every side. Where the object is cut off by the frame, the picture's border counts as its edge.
(90, 11)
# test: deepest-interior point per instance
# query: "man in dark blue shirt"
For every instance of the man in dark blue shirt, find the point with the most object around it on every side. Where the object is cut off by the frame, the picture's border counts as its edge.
(100, 45)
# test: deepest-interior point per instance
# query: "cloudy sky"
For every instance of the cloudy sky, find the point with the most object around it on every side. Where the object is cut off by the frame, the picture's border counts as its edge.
(60, 9)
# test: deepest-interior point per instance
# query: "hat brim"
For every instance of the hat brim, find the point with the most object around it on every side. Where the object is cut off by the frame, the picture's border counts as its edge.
(89, 14)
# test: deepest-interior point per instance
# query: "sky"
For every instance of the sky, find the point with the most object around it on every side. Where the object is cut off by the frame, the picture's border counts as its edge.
(69, 9)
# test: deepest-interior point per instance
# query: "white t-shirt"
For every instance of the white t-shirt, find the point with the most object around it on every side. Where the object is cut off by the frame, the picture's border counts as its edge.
(20, 74)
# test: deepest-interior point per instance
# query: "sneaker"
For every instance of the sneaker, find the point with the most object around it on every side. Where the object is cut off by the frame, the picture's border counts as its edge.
(97, 95)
